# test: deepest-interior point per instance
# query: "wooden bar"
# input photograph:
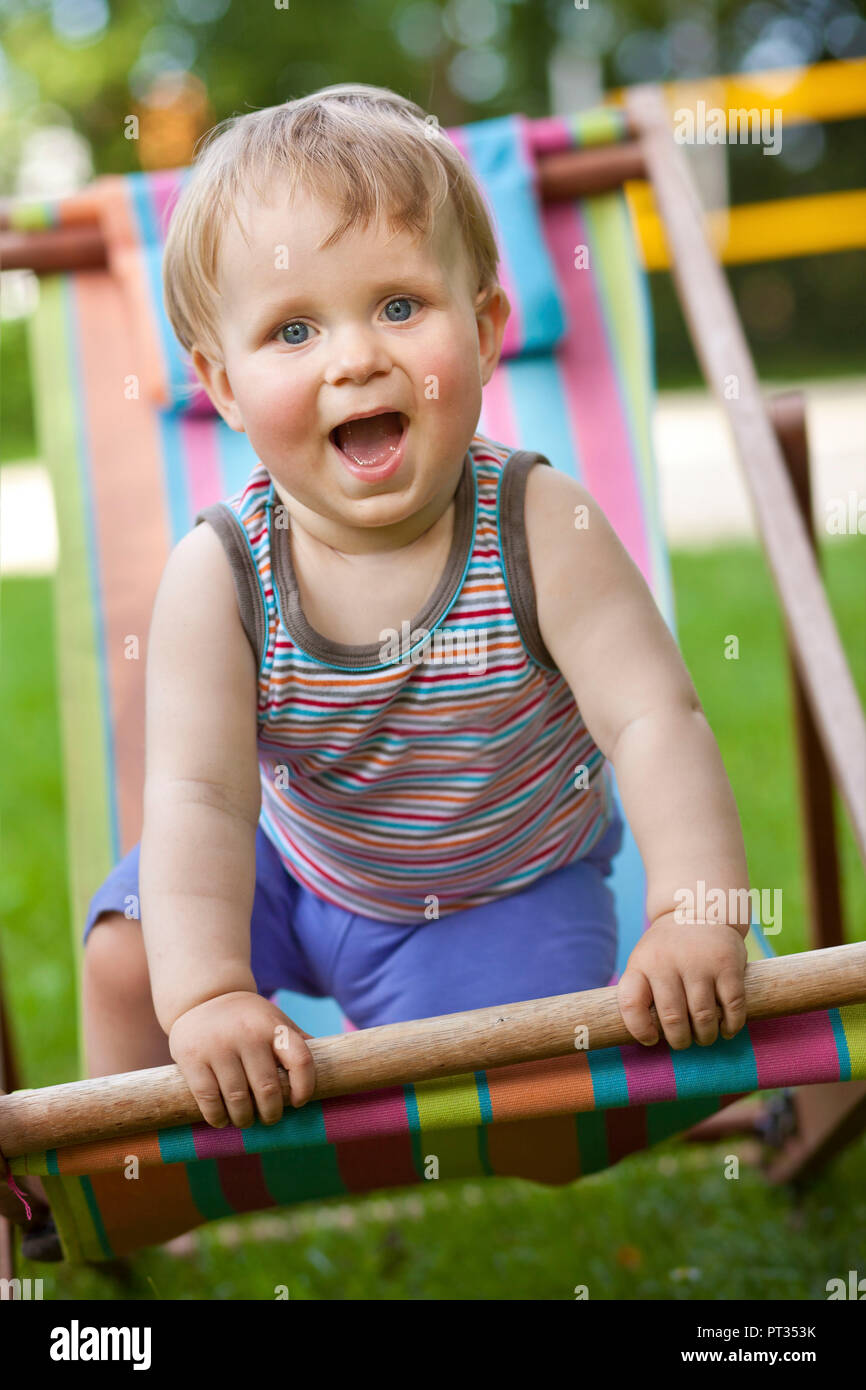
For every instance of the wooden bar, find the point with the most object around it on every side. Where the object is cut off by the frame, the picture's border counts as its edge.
(400, 1053)
(723, 352)
(823, 890)
(562, 175)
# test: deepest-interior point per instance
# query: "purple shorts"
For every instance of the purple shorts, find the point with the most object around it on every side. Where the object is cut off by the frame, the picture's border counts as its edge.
(557, 936)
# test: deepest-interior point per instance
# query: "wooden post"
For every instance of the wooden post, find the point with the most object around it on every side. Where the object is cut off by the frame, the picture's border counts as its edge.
(724, 355)
(824, 898)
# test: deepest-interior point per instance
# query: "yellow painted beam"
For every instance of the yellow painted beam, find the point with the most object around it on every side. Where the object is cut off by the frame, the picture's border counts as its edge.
(761, 231)
(833, 91)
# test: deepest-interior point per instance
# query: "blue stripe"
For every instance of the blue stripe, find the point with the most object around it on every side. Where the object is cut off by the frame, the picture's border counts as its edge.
(841, 1044)
(174, 475)
(496, 153)
(150, 241)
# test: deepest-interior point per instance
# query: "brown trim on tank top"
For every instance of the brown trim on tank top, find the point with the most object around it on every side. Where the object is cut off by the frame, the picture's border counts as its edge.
(367, 655)
(244, 573)
(515, 551)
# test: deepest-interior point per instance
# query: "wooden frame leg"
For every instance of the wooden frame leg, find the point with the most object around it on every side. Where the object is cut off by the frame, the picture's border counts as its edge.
(788, 414)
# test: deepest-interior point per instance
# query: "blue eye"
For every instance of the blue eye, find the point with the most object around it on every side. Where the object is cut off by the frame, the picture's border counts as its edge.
(402, 300)
(296, 323)
(294, 326)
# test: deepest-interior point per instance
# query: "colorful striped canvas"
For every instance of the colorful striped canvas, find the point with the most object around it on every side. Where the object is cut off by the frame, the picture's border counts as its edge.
(130, 476)
(551, 1122)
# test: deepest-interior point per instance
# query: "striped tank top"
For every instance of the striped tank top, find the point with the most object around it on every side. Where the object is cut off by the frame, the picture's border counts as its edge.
(443, 767)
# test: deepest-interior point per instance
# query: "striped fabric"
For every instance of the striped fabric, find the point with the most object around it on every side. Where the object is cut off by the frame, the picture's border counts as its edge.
(550, 1122)
(443, 768)
(129, 480)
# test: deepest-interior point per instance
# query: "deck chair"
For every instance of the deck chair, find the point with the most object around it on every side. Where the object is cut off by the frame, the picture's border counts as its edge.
(127, 444)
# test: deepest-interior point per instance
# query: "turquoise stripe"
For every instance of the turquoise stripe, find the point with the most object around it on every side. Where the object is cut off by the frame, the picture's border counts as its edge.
(302, 1175)
(496, 153)
(96, 1218)
(841, 1044)
(607, 1071)
(206, 1189)
(416, 1133)
(174, 474)
(726, 1065)
(445, 688)
(177, 1145)
(485, 1104)
(538, 405)
(321, 1017)
(236, 457)
(410, 874)
(151, 244)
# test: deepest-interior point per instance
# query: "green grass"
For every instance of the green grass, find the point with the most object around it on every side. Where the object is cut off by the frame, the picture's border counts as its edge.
(666, 1224)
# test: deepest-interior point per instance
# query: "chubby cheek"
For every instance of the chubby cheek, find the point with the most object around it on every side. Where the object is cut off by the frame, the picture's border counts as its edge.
(449, 388)
(276, 414)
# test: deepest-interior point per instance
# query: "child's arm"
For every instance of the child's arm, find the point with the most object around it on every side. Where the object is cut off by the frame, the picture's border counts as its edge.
(197, 869)
(601, 625)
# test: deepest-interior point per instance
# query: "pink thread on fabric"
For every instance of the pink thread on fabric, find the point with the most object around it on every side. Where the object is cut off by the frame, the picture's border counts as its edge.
(18, 1193)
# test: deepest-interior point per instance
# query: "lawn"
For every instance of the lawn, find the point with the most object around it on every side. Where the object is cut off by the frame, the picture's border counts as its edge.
(666, 1224)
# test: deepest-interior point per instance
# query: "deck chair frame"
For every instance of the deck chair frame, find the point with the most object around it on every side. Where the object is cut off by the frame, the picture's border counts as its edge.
(771, 443)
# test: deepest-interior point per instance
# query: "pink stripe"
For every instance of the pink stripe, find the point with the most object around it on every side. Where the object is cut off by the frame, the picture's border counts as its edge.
(513, 337)
(201, 456)
(498, 420)
(164, 186)
(217, 1143)
(809, 1036)
(549, 133)
(366, 1115)
(649, 1073)
(587, 374)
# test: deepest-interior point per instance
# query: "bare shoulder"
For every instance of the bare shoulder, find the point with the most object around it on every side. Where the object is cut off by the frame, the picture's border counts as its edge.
(197, 585)
(596, 614)
(569, 539)
(201, 689)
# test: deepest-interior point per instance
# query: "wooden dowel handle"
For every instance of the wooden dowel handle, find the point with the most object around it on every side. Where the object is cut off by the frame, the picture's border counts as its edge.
(563, 174)
(397, 1053)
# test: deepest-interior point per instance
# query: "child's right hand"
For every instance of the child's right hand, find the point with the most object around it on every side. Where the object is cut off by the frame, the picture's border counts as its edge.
(230, 1045)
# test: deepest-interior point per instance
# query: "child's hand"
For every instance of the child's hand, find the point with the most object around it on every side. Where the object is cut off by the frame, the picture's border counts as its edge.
(684, 969)
(231, 1044)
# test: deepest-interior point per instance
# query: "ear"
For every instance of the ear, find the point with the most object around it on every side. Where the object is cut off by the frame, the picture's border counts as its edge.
(491, 313)
(214, 378)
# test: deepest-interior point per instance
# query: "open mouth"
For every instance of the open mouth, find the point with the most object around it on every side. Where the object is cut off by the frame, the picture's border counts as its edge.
(371, 441)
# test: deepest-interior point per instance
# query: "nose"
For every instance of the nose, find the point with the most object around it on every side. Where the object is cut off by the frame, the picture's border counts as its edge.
(357, 352)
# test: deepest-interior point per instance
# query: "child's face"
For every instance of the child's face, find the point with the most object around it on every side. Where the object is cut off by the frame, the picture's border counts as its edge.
(312, 336)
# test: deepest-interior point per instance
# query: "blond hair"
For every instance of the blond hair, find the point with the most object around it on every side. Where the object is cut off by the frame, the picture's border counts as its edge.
(367, 149)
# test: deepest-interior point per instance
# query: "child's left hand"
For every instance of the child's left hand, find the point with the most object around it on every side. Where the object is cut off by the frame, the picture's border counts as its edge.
(684, 969)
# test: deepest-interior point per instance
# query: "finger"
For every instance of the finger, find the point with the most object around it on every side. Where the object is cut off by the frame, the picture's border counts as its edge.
(703, 1009)
(260, 1066)
(669, 998)
(233, 1084)
(731, 994)
(634, 997)
(205, 1087)
(293, 1054)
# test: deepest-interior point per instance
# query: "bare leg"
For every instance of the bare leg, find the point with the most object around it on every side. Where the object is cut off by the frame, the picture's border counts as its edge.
(121, 1030)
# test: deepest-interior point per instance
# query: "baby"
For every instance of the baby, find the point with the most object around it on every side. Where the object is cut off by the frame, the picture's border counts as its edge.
(340, 797)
